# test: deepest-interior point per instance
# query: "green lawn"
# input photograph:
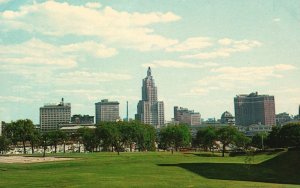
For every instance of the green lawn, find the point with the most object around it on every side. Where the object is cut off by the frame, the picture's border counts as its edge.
(157, 169)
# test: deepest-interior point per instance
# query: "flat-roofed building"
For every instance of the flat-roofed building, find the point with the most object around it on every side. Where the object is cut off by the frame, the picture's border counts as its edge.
(82, 119)
(254, 109)
(107, 111)
(51, 115)
(186, 116)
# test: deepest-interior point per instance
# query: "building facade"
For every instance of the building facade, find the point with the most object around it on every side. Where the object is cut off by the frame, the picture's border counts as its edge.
(186, 116)
(51, 115)
(149, 109)
(82, 119)
(227, 118)
(107, 111)
(254, 109)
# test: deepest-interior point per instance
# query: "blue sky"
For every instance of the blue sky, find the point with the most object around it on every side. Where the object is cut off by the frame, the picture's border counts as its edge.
(202, 54)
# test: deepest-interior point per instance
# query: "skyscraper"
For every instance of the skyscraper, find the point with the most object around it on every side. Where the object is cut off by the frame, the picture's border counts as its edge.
(149, 109)
(53, 114)
(254, 109)
(107, 111)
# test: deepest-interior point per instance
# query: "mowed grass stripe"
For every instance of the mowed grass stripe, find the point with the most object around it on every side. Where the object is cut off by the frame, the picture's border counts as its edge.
(156, 169)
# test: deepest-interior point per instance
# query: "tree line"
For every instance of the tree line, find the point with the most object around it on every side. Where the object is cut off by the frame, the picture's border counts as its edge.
(118, 136)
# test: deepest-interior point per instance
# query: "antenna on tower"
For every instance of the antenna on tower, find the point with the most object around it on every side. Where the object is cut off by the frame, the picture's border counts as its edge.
(127, 112)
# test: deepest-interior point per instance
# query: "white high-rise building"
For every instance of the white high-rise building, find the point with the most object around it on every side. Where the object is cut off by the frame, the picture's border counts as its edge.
(51, 115)
(149, 109)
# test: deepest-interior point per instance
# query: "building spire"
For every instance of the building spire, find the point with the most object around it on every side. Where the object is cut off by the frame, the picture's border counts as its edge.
(149, 71)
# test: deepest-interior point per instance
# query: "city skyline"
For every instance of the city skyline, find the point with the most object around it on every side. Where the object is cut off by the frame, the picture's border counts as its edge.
(202, 53)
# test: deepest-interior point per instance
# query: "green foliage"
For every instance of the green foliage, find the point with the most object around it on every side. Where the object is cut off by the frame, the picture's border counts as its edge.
(146, 136)
(119, 135)
(241, 141)
(19, 131)
(175, 136)
(290, 135)
(89, 139)
(34, 139)
(259, 139)
(55, 138)
(273, 139)
(206, 137)
(227, 135)
(4, 144)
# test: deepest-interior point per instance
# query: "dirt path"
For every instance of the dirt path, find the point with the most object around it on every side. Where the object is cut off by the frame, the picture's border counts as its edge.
(22, 159)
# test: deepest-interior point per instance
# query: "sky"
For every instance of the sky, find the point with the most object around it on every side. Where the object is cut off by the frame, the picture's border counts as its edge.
(202, 54)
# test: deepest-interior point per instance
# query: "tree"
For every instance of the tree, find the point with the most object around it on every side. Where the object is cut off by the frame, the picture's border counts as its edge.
(10, 132)
(206, 137)
(4, 144)
(259, 139)
(129, 132)
(175, 136)
(77, 137)
(241, 141)
(89, 139)
(146, 136)
(273, 139)
(290, 135)
(34, 139)
(55, 137)
(24, 128)
(45, 140)
(226, 135)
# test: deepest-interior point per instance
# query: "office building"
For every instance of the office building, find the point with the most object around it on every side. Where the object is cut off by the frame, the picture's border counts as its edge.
(53, 114)
(107, 111)
(186, 116)
(149, 109)
(254, 109)
(82, 119)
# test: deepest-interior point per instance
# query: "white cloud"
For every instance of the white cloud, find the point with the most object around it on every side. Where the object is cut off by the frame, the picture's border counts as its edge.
(90, 47)
(228, 78)
(195, 43)
(225, 41)
(128, 29)
(229, 46)
(178, 64)
(276, 20)
(94, 5)
(35, 52)
(88, 77)
(41, 58)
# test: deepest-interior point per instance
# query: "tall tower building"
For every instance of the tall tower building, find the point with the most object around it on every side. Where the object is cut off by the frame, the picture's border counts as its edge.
(53, 114)
(149, 109)
(107, 111)
(254, 109)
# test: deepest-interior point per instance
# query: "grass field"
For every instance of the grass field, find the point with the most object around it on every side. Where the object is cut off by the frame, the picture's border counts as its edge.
(157, 169)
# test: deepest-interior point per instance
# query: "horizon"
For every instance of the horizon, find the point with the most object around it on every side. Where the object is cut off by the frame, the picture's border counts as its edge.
(201, 53)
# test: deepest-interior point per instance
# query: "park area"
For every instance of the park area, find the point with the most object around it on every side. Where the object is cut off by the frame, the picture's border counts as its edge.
(154, 169)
